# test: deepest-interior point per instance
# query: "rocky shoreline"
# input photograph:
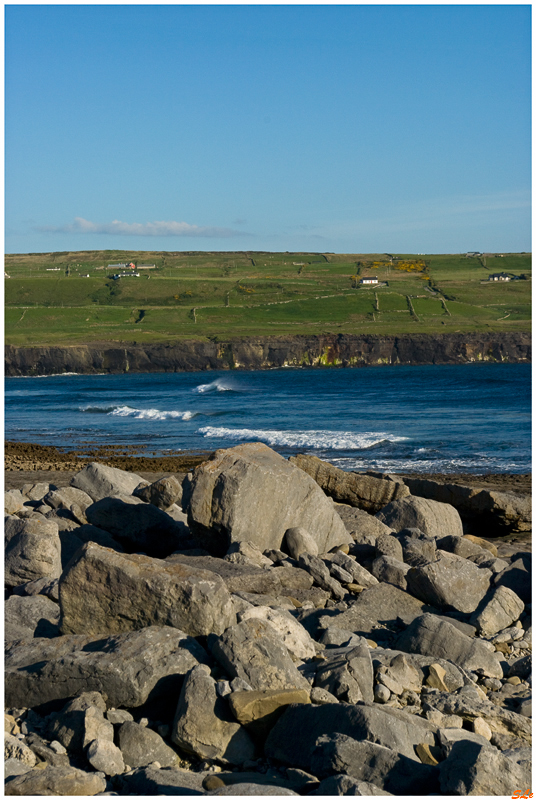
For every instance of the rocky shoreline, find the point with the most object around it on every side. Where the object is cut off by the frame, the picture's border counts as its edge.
(327, 350)
(264, 627)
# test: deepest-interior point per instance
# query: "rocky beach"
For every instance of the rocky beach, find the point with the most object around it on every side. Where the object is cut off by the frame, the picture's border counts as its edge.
(238, 623)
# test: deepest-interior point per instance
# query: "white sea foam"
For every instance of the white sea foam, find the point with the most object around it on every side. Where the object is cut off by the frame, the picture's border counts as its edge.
(150, 413)
(317, 440)
(219, 385)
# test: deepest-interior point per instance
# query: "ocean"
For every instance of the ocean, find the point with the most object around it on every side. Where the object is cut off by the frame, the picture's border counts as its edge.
(456, 418)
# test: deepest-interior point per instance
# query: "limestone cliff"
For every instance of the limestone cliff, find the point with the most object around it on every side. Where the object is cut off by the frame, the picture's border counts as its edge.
(264, 352)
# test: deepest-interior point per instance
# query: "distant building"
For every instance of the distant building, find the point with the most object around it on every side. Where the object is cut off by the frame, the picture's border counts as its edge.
(472, 254)
(368, 280)
(499, 276)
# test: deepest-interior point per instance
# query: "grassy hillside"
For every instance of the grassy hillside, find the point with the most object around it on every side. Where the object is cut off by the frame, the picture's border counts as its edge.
(54, 298)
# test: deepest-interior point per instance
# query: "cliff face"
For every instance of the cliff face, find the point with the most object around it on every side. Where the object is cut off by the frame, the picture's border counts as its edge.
(265, 352)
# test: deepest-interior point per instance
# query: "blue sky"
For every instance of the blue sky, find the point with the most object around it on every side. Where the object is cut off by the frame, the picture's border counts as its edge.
(354, 128)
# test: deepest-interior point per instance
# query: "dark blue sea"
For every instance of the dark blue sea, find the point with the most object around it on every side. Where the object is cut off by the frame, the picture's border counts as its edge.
(461, 418)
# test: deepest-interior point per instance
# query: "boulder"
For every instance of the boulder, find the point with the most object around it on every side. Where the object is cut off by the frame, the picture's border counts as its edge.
(253, 651)
(449, 582)
(258, 711)
(343, 785)
(247, 553)
(99, 481)
(138, 526)
(433, 636)
(417, 548)
(297, 541)
(320, 573)
(15, 748)
(80, 722)
(498, 611)
(293, 635)
(349, 675)
(32, 550)
(477, 769)
(13, 501)
(163, 493)
(28, 617)
(56, 781)
(517, 577)
(432, 518)
(102, 591)
(390, 570)
(250, 493)
(381, 608)
(360, 575)
(292, 740)
(128, 668)
(155, 781)
(358, 521)
(352, 488)
(104, 756)
(373, 763)
(66, 497)
(469, 707)
(141, 746)
(36, 491)
(204, 726)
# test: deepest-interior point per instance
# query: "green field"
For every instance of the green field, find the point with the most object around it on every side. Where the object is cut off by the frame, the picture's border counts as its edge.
(54, 298)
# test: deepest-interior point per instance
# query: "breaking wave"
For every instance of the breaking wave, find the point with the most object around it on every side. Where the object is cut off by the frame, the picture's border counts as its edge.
(316, 440)
(219, 385)
(139, 413)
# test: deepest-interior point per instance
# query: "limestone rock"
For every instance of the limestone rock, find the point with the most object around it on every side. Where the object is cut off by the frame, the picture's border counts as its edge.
(293, 635)
(349, 676)
(251, 493)
(204, 726)
(355, 489)
(374, 763)
(163, 493)
(26, 617)
(418, 548)
(297, 541)
(258, 711)
(435, 637)
(316, 567)
(56, 781)
(357, 521)
(390, 570)
(517, 577)
(128, 668)
(15, 748)
(475, 769)
(66, 497)
(247, 553)
(32, 551)
(104, 756)
(432, 518)
(99, 480)
(102, 591)
(449, 582)
(343, 785)
(141, 746)
(502, 609)
(252, 650)
(360, 575)
(138, 525)
(13, 501)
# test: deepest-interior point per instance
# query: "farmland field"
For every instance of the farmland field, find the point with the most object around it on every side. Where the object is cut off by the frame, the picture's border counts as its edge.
(54, 298)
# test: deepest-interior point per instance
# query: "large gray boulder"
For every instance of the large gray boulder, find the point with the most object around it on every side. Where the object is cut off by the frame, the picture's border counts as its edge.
(140, 746)
(128, 668)
(432, 518)
(56, 781)
(32, 550)
(253, 651)
(476, 769)
(13, 501)
(517, 577)
(293, 635)
(449, 582)
(348, 676)
(374, 763)
(250, 493)
(293, 738)
(203, 724)
(357, 521)
(102, 591)
(99, 480)
(163, 493)
(498, 611)
(28, 617)
(470, 707)
(67, 496)
(138, 526)
(433, 636)
(355, 489)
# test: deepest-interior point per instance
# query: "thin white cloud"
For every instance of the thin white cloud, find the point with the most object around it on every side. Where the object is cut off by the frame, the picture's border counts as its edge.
(118, 228)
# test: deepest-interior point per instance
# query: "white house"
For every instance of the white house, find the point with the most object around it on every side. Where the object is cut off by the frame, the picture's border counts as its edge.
(368, 280)
(499, 276)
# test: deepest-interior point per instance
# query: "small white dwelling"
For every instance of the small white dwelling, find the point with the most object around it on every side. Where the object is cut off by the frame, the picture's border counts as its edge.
(368, 280)
(499, 276)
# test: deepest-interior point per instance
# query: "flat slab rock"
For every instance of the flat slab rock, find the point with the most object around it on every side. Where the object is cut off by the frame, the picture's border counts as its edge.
(102, 591)
(128, 668)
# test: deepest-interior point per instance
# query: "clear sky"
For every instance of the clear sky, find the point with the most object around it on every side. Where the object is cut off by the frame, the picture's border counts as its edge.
(357, 128)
